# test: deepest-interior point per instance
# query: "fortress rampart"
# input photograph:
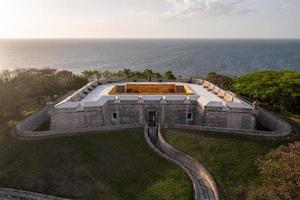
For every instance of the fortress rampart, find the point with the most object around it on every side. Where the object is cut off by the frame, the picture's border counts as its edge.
(133, 113)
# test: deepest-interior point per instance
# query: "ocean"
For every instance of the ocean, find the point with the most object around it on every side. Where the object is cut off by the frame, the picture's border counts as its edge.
(184, 57)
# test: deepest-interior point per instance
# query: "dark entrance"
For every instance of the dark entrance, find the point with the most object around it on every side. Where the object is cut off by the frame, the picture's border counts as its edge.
(152, 119)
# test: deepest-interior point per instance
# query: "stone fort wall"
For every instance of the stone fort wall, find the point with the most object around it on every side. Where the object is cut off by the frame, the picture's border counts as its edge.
(171, 115)
(127, 113)
(134, 113)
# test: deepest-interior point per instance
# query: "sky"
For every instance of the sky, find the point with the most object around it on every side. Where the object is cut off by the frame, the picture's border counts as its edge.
(149, 18)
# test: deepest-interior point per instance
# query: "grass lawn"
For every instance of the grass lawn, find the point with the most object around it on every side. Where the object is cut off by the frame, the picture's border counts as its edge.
(294, 120)
(231, 159)
(111, 165)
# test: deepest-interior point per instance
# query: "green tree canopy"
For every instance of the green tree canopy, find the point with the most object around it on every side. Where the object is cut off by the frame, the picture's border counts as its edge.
(169, 75)
(124, 73)
(279, 88)
(220, 80)
(23, 87)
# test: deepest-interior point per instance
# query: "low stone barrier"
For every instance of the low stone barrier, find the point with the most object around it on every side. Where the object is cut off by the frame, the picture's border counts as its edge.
(42, 134)
(270, 134)
(13, 194)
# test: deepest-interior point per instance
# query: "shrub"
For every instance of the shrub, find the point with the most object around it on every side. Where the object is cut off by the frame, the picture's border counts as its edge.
(222, 81)
(280, 173)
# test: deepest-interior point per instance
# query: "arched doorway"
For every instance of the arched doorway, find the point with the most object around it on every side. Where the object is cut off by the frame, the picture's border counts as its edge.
(152, 119)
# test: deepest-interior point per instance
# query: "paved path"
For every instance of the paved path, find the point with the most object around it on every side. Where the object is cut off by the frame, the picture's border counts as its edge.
(203, 189)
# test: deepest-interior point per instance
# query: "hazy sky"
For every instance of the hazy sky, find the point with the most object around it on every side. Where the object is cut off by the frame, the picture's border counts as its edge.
(150, 18)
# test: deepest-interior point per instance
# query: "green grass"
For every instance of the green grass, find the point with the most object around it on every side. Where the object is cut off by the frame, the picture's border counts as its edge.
(111, 165)
(231, 160)
(294, 120)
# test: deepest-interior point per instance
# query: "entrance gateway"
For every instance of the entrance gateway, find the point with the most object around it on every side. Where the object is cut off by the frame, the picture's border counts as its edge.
(152, 119)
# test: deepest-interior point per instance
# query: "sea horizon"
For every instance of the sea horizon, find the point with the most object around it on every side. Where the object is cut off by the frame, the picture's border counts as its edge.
(136, 38)
(183, 56)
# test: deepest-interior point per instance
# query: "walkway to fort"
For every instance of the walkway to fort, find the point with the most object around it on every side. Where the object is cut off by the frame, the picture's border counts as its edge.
(205, 186)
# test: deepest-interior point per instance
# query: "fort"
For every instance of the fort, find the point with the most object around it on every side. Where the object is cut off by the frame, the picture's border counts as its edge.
(103, 103)
(183, 103)
(192, 104)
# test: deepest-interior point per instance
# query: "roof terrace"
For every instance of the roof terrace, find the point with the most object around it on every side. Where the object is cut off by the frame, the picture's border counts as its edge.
(95, 94)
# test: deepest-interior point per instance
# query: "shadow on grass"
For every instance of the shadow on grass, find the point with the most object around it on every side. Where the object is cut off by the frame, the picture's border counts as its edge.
(230, 158)
(112, 165)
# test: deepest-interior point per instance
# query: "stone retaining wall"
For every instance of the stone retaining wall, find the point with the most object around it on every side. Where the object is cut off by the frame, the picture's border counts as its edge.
(273, 122)
(42, 134)
(269, 134)
(13, 194)
(34, 121)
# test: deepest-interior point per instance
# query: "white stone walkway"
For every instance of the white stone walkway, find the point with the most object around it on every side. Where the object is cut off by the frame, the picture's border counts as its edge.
(204, 186)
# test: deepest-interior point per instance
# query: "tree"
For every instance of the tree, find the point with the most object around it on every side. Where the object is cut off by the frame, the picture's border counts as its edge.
(169, 75)
(278, 88)
(91, 74)
(147, 72)
(127, 73)
(158, 76)
(220, 80)
(24, 87)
